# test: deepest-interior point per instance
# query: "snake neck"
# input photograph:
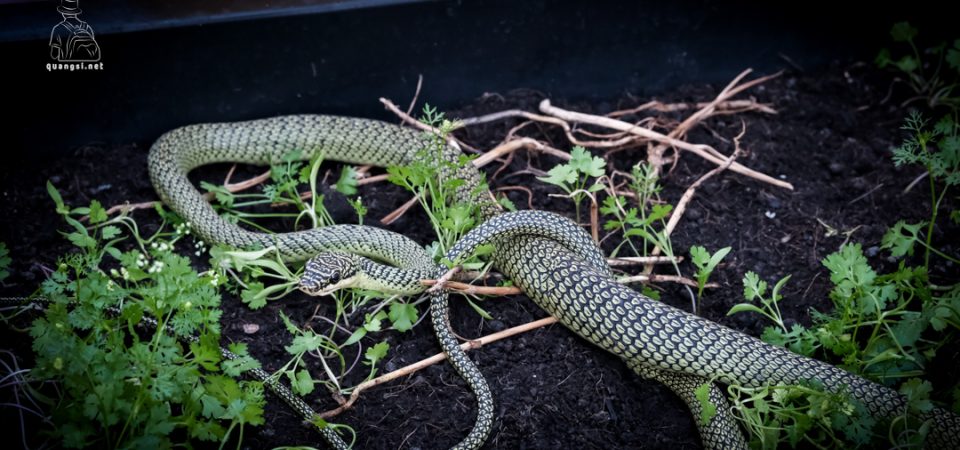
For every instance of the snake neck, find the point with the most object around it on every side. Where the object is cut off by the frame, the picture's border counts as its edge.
(390, 279)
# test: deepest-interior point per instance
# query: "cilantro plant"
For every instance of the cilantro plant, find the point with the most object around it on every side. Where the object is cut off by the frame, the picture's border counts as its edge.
(705, 263)
(885, 327)
(121, 385)
(428, 177)
(640, 220)
(791, 415)
(938, 150)
(574, 176)
(934, 81)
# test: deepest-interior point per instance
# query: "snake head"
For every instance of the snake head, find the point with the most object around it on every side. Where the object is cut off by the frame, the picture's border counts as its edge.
(328, 272)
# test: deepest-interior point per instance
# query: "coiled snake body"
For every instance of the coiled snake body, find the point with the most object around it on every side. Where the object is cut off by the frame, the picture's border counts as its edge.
(555, 264)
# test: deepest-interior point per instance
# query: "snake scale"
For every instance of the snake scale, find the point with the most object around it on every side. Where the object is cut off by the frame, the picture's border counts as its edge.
(554, 267)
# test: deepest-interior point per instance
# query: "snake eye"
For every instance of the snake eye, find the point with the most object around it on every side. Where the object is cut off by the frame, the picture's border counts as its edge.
(335, 278)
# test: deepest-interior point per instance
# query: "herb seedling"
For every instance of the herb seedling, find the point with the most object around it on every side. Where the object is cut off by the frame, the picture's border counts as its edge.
(574, 176)
(705, 263)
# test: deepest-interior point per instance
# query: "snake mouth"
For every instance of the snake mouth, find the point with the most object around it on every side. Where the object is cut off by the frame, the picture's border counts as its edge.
(316, 291)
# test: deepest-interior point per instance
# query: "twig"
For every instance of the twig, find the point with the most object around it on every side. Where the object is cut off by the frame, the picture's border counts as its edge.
(424, 363)
(471, 289)
(729, 105)
(516, 144)
(704, 151)
(407, 118)
(915, 181)
(397, 213)
(567, 129)
(441, 282)
(865, 194)
(688, 195)
(635, 260)
(127, 207)
(372, 179)
(653, 278)
(415, 94)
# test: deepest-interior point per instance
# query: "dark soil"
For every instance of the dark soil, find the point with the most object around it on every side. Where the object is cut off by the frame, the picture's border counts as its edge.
(831, 139)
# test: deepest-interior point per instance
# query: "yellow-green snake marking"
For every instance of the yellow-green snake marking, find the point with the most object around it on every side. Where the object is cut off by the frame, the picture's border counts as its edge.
(656, 340)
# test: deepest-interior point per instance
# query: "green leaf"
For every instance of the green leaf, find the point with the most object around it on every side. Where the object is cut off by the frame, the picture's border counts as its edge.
(482, 312)
(584, 162)
(62, 209)
(206, 356)
(717, 257)
(97, 213)
(82, 240)
(356, 336)
(917, 392)
(403, 316)
(109, 232)
(744, 307)
(221, 193)
(848, 267)
(753, 286)
(306, 342)
(708, 410)
(953, 56)
(903, 32)
(699, 256)
(901, 237)
(242, 363)
(658, 212)
(376, 353)
(561, 175)
(883, 58)
(301, 383)
(253, 297)
(374, 322)
(347, 184)
(908, 64)
(507, 203)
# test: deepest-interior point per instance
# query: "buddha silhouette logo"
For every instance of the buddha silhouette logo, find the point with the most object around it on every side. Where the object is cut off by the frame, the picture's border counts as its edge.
(72, 41)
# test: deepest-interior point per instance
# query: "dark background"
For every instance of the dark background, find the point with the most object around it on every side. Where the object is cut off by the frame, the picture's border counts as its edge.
(219, 61)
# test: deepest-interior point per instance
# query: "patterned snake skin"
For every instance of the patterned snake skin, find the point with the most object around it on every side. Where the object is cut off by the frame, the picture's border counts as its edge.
(657, 340)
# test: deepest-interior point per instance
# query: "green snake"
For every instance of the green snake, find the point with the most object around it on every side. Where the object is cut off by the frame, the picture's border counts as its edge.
(560, 270)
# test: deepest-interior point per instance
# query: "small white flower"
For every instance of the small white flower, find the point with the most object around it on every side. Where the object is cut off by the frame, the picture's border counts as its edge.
(770, 214)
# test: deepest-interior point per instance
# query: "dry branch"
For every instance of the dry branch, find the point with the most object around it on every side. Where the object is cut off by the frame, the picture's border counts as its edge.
(704, 151)
(424, 363)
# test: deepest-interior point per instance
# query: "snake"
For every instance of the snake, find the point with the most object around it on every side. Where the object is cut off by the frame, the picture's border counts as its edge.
(558, 268)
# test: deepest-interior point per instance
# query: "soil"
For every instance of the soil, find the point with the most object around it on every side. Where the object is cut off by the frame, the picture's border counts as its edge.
(831, 139)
